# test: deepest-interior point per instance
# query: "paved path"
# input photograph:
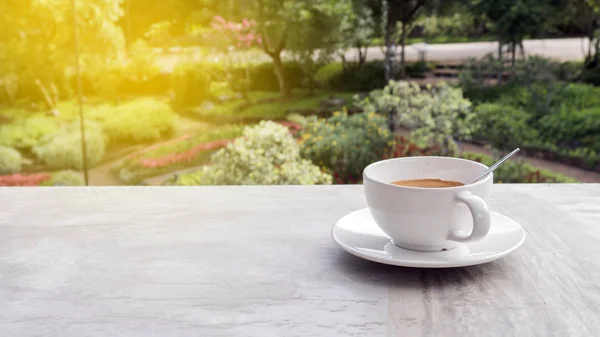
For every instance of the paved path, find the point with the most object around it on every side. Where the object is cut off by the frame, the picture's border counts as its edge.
(571, 49)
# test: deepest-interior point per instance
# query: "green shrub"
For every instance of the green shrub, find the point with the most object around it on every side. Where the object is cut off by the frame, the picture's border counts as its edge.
(334, 77)
(23, 134)
(139, 121)
(65, 178)
(591, 76)
(504, 126)
(62, 150)
(517, 171)
(262, 76)
(578, 96)
(10, 160)
(573, 128)
(191, 83)
(267, 154)
(345, 145)
(138, 74)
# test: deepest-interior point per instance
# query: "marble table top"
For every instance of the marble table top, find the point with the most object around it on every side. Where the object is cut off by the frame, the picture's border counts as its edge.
(259, 261)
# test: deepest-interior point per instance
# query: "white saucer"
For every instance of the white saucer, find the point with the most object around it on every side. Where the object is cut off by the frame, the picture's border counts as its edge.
(358, 234)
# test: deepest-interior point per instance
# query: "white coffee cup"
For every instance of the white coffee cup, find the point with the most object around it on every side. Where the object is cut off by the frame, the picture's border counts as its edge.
(428, 219)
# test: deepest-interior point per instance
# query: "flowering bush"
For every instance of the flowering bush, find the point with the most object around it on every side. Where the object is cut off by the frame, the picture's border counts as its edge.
(346, 144)
(138, 121)
(267, 154)
(434, 116)
(187, 151)
(186, 156)
(62, 150)
(242, 33)
(23, 179)
(10, 160)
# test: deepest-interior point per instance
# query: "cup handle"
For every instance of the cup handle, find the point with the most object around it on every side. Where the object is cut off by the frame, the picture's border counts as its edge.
(481, 218)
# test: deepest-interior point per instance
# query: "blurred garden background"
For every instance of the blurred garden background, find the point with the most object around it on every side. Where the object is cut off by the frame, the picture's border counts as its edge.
(253, 92)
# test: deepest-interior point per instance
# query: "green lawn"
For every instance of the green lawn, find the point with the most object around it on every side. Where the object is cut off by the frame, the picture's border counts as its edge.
(267, 105)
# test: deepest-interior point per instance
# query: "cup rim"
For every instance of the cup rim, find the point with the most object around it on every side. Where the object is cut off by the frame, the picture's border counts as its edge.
(373, 180)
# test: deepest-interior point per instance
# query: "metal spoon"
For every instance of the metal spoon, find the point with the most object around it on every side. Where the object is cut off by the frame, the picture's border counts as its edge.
(495, 166)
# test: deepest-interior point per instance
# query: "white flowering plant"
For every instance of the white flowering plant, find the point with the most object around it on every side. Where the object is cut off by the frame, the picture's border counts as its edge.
(435, 115)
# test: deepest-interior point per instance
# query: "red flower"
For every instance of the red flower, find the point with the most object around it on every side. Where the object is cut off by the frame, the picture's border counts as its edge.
(23, 180)
(183, 157)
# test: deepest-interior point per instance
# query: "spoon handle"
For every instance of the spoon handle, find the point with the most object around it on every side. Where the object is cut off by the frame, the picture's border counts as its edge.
(493, 167)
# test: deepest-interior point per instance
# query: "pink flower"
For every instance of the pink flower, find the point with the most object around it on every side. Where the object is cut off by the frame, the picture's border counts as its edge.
(183, 157)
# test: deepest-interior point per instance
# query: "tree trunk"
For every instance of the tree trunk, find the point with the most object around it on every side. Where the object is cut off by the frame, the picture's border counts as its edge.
(522, 50)
(513, 53)
(362, 56)
(499, 50)
(284, 90)
(402, 54)
(389, 52)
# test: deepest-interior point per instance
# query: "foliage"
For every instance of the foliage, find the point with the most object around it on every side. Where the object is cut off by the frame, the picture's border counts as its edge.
(346, 144)
(299, 26)
(518, 172)
(10, 160)
(190, 83)
(321, 34)
(136, 74)
(357, 28)
(64, 178)
(505, 126)
(193, 83)
(299, 102)
(456, 24)
(62, 150)
(573, 128)
(24, 134)
(585, 14)
(485, 79)
(514, 20)
(266, 155)
(138, 121)
(434, 116)
(262, 77)
(369, 77)
(36, 41)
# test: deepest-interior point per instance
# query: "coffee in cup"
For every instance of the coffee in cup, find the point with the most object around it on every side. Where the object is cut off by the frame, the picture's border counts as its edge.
(432, 217)
(427, 183)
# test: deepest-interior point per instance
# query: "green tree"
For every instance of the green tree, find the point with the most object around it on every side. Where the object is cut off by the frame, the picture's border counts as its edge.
(357, 29)
(317, 35)
(515, 20)
(398, 15)
(585, 14)
(294, 24)
(37, 43)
